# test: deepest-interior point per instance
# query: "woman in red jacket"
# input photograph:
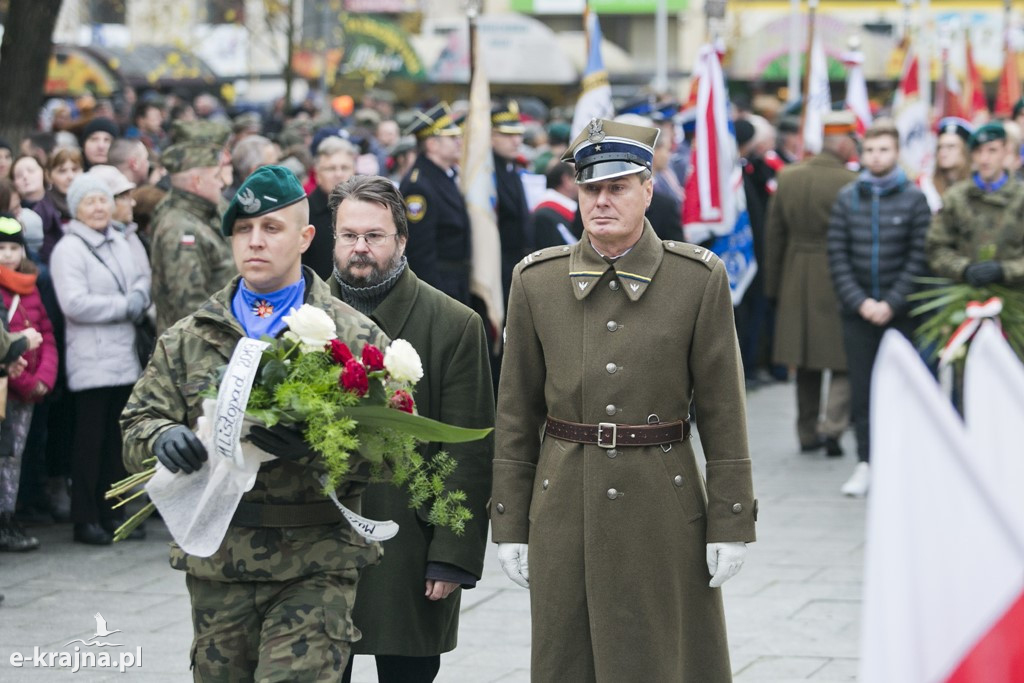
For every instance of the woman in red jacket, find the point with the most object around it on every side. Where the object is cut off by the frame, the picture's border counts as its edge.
(22, 309)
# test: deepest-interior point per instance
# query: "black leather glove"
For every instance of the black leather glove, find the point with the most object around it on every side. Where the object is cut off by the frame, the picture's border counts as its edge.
(983, 273)
(286, 442)
(179, 449)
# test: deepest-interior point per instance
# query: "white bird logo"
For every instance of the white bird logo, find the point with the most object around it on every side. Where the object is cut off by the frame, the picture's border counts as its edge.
(101, 627)
(249, 201)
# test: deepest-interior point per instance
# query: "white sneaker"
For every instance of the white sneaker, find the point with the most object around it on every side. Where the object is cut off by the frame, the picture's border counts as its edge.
(857, 484)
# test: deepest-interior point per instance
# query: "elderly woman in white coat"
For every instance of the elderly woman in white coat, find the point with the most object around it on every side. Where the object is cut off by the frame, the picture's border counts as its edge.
(102, 291)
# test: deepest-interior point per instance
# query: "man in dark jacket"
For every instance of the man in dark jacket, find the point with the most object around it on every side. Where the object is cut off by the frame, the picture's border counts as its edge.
(513, 213)
(335, 162)
(408, 608)
(876, 238)
(439, 232)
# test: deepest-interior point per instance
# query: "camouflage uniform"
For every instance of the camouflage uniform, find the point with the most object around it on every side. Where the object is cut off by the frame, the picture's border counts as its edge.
(974, 225)
(190, 258)
(275, 601)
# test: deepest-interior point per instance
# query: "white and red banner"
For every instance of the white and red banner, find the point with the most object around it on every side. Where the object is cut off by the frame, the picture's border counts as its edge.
(819, 99)
(944, 568)
(595, 101)
(857, 90)
(917, 141)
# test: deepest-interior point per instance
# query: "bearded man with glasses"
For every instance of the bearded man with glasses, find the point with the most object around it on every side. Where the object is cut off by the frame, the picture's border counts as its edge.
(408, 608)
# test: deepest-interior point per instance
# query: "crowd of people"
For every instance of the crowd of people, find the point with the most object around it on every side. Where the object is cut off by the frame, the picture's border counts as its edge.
(117, 225)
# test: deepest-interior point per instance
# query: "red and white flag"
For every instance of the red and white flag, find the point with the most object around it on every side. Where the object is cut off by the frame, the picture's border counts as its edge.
(917, 141)
(710, 208)
(944, 567)
(857, 90)
(975, 101)
(818, 99)
(1009, 91)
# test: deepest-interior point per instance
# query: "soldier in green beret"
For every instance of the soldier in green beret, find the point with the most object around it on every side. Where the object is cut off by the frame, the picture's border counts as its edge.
(607, 516)
(274, 601)
(190, 259)
(978, 236)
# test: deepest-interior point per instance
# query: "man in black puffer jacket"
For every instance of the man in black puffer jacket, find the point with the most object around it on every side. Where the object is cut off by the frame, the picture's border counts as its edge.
(876, 238)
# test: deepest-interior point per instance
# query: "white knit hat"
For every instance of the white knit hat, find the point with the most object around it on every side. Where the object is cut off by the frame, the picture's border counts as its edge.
(85, 184)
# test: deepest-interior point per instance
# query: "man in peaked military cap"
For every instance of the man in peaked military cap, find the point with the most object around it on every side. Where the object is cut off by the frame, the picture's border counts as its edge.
(190, 258)
(439, 232)
(977, 237)
(607, 516)
(513, 213)
(274, 602)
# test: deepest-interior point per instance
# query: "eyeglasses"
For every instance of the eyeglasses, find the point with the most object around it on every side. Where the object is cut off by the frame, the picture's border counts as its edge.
(372, 239)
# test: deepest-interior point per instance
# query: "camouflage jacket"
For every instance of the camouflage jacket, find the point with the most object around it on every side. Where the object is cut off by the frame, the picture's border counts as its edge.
(184, 365)
(191, 259)
(974, 225)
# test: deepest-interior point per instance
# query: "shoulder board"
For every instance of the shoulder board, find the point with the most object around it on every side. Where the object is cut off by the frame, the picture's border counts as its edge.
(691, 251)
(545, 255)
(414, 176)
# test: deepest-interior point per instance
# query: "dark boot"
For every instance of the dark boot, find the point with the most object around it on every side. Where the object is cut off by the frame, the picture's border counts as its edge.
(92, 534)
(13, 538)
(60, 499)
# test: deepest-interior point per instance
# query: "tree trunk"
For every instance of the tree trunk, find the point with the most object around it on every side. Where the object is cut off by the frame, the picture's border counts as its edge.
(24, 60)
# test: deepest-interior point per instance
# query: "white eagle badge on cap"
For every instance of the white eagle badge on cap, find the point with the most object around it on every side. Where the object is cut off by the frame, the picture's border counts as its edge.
(248, 201)
(595, 133)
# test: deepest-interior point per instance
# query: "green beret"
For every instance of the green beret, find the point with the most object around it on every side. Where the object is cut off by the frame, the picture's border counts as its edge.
(268, 189)
(987, 133)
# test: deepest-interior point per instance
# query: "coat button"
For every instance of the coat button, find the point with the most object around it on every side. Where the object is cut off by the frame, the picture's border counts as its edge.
(544, 485)
(613, 285)
(611, 452)
(671, 244)
(613, 494)
(678, 480)
(500, 507)
(612, 326)
(610, 409)
(611, 368)
(737, 509)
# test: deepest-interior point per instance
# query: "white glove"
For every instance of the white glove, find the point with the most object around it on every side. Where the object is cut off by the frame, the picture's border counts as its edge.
(512, 557)
(724, 561)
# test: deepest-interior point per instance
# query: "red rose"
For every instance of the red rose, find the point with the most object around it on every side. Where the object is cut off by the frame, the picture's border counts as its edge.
(353, 378)
(401, 400)
(340, 353)
(373, 359)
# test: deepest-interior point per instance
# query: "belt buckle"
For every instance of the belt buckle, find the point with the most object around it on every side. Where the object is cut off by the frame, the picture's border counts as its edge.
(601, 427)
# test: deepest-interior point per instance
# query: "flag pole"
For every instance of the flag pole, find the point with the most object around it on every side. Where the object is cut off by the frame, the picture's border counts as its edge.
(812, 5)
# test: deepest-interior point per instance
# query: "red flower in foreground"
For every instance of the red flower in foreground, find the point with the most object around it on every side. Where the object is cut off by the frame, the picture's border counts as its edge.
(353, 378)
(401, 400)
(340, 353)
(373, 359)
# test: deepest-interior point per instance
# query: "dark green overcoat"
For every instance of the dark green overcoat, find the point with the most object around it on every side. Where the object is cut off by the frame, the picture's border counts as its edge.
(391, 610)
(617, 537)
(808, 331)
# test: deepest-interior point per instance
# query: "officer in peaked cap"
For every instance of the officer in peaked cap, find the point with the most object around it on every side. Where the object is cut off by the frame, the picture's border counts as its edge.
(283, 579)
(606, 343)
(190, 259)
(439, 232)
(513, 212)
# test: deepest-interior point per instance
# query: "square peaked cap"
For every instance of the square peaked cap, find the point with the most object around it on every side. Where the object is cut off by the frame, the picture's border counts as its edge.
(505, 118)
(608, 149)
(195, 144)
(435, 121)
(839, 123)
(268, 189)
(957, 126)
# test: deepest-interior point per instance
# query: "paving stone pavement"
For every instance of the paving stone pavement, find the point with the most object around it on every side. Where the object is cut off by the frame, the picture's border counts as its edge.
(793, 613)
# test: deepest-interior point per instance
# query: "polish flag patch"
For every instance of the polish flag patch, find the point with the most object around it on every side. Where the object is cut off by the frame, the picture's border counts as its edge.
(188, 240)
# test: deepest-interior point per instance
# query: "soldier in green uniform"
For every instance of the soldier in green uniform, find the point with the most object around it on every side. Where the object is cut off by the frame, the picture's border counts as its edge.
(607, 518)
(190, 258)
(274, 602)
(978, 235)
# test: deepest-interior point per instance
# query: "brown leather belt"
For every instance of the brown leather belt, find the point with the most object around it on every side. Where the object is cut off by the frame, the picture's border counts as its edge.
(611, 435)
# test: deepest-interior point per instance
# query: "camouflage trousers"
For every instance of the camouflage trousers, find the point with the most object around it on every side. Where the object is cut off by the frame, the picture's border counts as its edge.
(267, 631)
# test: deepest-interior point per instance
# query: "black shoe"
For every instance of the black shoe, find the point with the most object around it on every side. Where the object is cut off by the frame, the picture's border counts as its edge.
(92, 534)
(13, 538)
(812, 447)
(832, 447)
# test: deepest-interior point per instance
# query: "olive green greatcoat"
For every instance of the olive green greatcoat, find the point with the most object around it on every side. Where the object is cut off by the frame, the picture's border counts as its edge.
(808, 332)
(974, 225)
(391, 611)
(617, 538)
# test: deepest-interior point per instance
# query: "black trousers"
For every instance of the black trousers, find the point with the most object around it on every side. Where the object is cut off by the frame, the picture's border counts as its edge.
(397, 669)
(861, 340)
(96, 463)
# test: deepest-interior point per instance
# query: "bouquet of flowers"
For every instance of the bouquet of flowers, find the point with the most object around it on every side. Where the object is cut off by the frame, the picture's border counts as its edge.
(346, 406)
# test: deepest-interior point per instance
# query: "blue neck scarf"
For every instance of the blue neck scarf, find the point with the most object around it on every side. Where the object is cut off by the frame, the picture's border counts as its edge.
(262, 314)
(993, 186)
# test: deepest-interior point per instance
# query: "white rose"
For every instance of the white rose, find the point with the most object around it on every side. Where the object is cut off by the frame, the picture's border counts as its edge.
(311, 326)
(402, 362)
